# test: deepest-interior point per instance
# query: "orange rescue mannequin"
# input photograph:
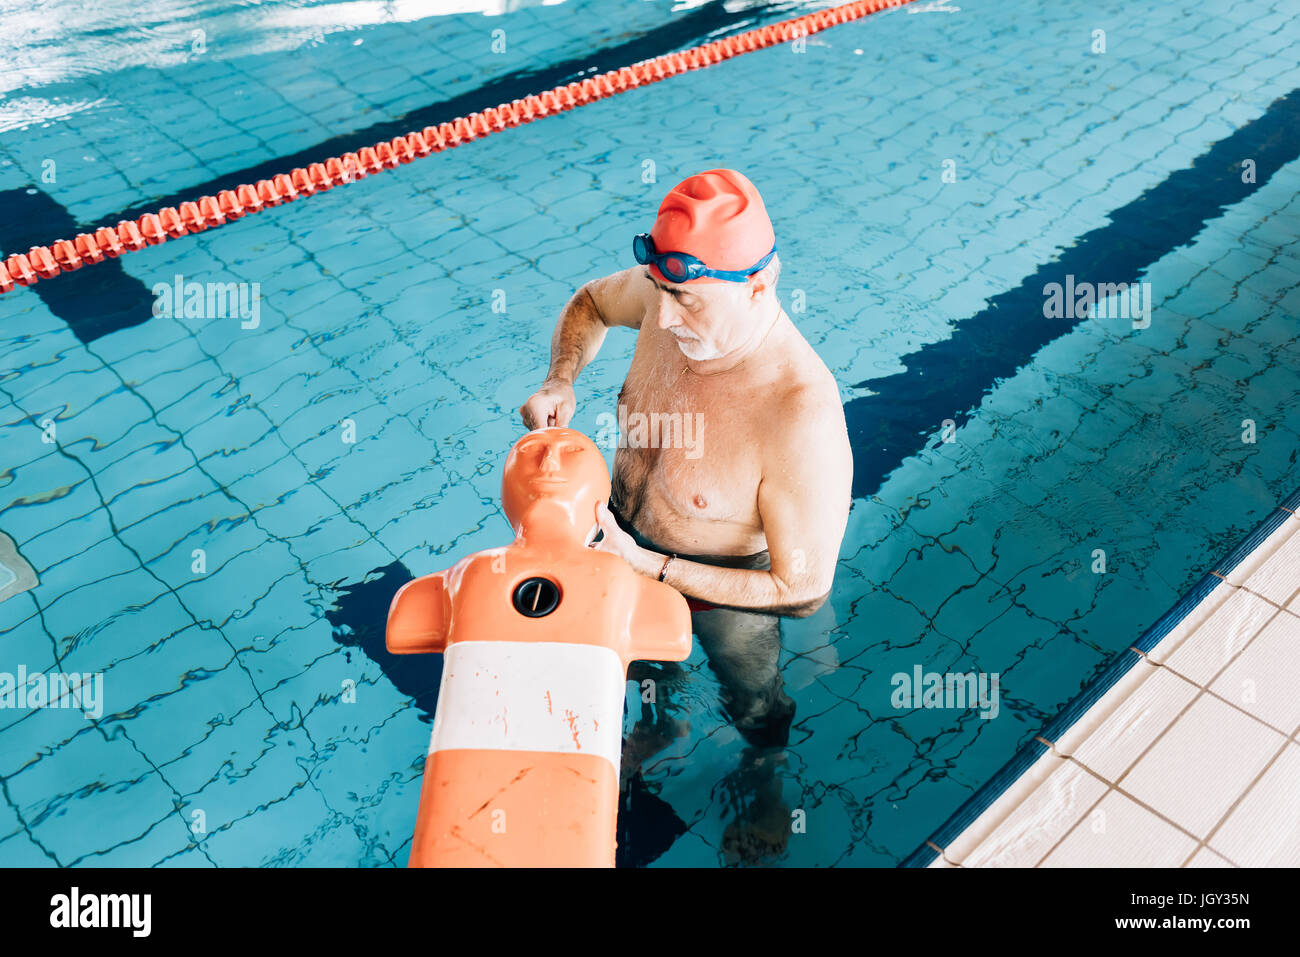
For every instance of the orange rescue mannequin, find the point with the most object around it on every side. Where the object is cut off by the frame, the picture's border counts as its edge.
(523, 763)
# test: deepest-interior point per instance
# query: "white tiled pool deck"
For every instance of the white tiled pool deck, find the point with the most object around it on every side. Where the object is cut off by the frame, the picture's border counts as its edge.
(1191, 759)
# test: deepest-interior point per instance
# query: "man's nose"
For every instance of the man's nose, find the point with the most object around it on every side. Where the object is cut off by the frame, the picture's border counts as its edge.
(667, 317)
(550, 459)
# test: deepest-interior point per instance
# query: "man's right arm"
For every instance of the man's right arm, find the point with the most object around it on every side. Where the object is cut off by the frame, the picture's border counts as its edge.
(599, 304)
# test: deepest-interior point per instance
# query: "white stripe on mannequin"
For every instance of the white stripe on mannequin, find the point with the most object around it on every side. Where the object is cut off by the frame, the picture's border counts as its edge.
(531, 696)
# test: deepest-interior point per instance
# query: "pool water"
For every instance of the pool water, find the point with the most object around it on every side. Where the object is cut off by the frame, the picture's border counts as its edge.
(206, 536)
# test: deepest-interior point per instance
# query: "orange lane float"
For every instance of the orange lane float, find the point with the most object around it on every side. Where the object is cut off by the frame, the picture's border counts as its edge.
(60, 256)
(522, 768)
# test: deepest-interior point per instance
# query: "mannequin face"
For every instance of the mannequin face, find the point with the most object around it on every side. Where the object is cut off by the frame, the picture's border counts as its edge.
(556, 464)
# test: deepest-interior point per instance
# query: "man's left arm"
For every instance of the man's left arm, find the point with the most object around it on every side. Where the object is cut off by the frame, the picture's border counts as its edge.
(803, 501)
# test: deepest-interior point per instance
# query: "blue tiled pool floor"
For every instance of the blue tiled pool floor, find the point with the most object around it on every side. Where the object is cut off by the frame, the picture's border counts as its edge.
(250, 716)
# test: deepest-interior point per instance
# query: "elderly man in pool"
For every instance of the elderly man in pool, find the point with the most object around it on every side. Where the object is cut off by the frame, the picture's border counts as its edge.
(744, 511)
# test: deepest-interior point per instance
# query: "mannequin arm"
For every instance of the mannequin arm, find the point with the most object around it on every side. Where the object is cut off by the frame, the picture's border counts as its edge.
(661, 626)
(417, 619)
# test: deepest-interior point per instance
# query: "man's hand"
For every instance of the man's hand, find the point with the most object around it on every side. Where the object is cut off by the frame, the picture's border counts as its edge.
(617, 300)
(618, 542)
(552, 404)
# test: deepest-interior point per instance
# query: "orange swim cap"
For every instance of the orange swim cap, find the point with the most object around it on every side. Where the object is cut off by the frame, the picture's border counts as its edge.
(716, 216)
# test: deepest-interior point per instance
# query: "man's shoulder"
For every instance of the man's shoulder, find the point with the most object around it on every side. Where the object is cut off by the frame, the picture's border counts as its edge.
(807, 416)
(804, 426)
(810, 389)
(621, 298)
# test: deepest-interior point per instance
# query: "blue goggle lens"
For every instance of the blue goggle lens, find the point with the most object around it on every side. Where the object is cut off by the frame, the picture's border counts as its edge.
(674, 268)
(641, 249)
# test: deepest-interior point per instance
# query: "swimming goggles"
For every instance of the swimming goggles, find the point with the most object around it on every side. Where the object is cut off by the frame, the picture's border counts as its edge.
(683, 267)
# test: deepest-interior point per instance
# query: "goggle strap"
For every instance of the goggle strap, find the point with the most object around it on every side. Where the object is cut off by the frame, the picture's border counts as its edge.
(695, 269)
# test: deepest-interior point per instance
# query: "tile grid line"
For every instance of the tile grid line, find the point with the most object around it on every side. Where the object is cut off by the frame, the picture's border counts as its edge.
(1202, 691)
(1120, 665)
(1115, 786)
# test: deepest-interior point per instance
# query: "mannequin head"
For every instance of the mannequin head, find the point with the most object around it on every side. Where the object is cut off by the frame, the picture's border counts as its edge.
(554, 477)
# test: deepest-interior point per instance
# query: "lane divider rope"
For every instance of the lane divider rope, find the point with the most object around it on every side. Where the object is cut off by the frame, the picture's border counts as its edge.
(208, 212)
